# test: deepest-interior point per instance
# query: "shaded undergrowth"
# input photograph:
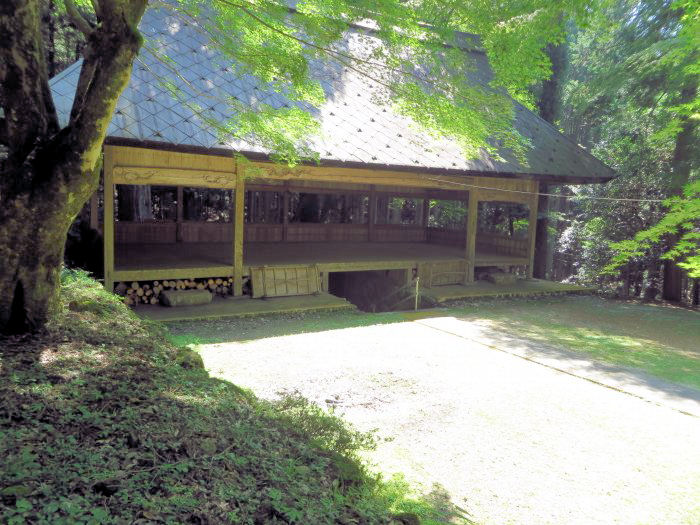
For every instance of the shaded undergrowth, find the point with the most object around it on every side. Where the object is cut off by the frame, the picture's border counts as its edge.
(102, 420)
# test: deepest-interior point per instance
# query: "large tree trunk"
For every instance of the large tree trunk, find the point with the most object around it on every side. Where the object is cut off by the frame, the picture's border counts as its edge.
(32, 238)
(49, 173)
(549, 106)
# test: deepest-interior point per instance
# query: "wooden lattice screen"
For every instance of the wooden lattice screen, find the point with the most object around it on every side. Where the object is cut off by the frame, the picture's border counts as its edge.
(281, 281)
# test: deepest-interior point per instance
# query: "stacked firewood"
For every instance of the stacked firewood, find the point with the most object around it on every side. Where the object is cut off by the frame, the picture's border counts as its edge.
(148, 292)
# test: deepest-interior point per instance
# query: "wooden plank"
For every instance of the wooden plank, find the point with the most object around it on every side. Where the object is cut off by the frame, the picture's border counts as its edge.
(472, 215)
(108, 220)
(238, 231)
(532, 229)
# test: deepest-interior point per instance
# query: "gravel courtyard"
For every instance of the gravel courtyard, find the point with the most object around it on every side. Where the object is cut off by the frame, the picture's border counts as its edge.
(514, 432)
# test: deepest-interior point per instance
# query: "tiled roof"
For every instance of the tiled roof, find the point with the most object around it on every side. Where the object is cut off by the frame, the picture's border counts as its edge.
(356, 127)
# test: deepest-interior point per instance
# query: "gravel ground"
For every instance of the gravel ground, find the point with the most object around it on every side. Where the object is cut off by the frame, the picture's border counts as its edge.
(510, 440)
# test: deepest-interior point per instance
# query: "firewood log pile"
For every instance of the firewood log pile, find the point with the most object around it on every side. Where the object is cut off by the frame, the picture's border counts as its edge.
(148, 292)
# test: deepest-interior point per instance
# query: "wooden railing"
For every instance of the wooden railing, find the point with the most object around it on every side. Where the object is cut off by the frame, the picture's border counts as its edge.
(192, 231)
(501, 244)
(399, 233)
(447, 236)
(144, 232)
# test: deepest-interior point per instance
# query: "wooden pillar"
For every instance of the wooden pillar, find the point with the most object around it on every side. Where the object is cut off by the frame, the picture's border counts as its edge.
(426, 211)
(426, 216)
(178, 218)
(108, 220)
(372, 219)
(95, 211)
(532, 229)
(472, 215)
(285, 211)
(238, 228)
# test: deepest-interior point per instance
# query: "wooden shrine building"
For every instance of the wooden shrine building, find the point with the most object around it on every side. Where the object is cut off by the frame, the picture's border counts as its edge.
(384, 197)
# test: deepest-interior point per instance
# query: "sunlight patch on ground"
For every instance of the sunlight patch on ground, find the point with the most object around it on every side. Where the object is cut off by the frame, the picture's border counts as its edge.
(509, 440)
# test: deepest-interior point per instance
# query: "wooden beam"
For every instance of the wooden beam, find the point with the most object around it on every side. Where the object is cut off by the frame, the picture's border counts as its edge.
(108, 220)
(390, 179)
(139, 165)
(372, 219)
(472, 215)
(180, 210)
(532, 229)
(238, 223)
(173, 176)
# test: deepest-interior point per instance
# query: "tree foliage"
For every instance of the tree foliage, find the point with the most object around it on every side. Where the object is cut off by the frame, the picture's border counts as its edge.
(682, 218)
(414, 50)
(631, 97)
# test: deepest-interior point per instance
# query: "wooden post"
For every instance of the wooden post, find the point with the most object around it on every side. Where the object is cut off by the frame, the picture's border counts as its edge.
(285, 211)
(238, 220)
(532, 230)
(426, 216)
(94, 211)
(178, 218)
(426, 211)
(108, 219)
(372, 219)
(472, 215)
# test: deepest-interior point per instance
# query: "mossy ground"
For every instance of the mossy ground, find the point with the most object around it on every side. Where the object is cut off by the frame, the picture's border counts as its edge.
(103, 420)
(662, 340)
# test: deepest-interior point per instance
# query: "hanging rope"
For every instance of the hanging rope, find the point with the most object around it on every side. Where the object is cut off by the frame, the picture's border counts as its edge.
(589, 197)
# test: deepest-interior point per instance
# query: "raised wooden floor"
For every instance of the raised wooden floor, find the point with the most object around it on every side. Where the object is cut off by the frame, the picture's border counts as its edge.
(245, 307)
(520, 288)
(185, 260)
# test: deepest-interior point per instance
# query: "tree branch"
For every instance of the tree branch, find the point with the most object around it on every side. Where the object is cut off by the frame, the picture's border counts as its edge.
(78, 20)
(109, 56)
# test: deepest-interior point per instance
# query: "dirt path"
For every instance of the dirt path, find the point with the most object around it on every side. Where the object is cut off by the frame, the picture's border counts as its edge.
(511, 440)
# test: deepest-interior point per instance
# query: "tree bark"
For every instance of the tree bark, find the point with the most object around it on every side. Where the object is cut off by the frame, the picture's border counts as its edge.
(549, 106)
(49, 173)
